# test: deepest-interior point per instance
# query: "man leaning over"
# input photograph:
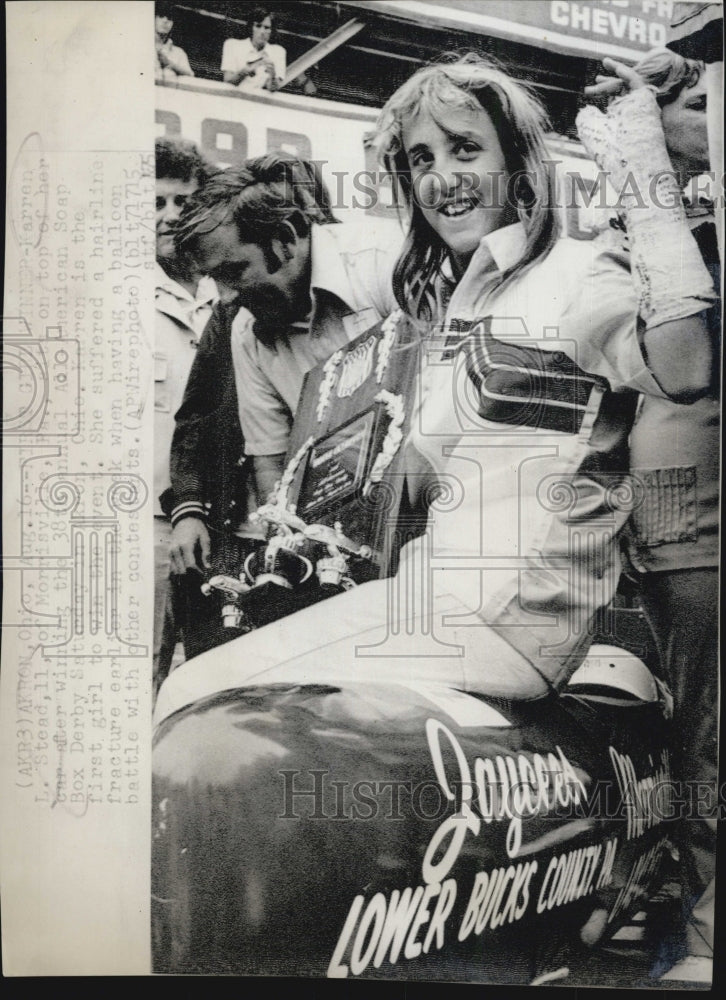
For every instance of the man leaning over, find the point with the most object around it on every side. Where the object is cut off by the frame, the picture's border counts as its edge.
(307, 288)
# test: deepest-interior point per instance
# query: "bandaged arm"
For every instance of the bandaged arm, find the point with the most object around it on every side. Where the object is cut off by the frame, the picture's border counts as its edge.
(672, 284)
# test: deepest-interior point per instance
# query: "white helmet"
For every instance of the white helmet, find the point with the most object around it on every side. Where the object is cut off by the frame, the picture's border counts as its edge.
(612, 667)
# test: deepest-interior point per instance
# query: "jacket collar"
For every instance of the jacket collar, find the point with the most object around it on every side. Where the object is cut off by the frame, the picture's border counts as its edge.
(327, 271)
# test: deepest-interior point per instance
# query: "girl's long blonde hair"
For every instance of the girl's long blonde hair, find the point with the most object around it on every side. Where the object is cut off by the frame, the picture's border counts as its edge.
(471, 83)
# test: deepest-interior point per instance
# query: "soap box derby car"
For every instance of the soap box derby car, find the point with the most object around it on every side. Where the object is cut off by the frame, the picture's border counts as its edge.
(390, 829)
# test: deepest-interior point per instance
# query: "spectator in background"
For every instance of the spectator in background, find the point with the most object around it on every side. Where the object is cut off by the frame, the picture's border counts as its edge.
(251, 63)
(697, 33)
(171, 61)
(184, 300)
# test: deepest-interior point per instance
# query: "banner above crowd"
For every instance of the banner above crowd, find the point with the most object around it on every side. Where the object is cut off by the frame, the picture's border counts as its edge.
(624, 29)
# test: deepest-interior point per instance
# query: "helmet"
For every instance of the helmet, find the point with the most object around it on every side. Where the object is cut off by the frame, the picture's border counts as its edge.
(612, 667)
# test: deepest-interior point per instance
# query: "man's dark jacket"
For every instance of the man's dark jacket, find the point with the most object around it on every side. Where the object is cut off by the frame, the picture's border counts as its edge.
(208, 465)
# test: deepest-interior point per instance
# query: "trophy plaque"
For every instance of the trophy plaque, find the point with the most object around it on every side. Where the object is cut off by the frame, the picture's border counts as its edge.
(331, 522)
(343, 467)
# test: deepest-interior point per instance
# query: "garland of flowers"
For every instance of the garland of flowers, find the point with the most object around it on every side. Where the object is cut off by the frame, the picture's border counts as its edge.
(392, 440)
(326, 386)
(283, 487)
(388, 329)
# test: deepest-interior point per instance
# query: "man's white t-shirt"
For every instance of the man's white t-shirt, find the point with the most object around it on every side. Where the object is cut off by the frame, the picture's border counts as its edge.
(238, 52)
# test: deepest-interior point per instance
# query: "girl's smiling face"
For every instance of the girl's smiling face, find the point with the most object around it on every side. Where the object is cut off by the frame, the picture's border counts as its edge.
(459, 178)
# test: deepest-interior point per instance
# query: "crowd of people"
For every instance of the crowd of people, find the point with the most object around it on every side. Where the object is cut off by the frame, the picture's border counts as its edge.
(250, 64)
(257, 282)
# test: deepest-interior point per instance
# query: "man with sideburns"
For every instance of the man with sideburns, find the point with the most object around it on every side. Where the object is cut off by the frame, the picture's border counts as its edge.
(304, 284)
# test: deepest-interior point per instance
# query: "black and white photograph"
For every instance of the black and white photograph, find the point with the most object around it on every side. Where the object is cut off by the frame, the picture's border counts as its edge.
(361, 494)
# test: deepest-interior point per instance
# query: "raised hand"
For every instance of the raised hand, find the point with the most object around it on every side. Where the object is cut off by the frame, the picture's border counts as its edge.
(620, 80)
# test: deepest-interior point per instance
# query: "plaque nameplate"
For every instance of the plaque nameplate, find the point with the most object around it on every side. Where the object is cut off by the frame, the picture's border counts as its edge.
(336, 466)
